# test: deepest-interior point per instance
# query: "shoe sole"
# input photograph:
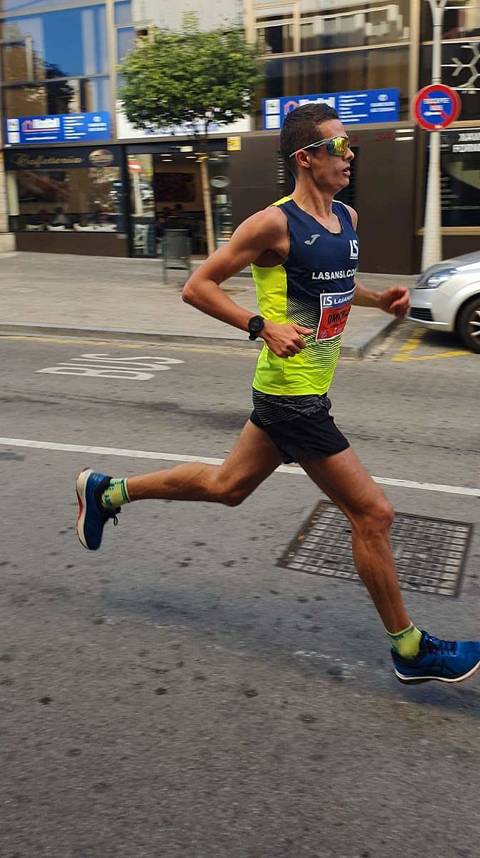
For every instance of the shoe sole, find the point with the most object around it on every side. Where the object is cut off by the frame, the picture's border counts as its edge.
(416, 680)
(80, 485)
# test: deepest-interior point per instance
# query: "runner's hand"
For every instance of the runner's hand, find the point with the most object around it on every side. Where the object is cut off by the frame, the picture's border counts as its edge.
(284, 340)
(396, 301)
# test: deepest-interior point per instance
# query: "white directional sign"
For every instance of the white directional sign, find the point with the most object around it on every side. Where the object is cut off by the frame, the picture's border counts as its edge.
(133, 368)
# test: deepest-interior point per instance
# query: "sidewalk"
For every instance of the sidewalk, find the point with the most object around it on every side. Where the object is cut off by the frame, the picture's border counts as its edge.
(84, 295)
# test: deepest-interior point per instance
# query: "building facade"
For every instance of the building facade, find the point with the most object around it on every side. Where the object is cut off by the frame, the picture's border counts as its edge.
(58, 72)
(80, 179)
(345, 46)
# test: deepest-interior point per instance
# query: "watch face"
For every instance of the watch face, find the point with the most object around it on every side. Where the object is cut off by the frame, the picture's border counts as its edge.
(255, 325)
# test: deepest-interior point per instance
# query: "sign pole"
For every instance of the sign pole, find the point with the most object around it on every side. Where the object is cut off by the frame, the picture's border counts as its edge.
(432, 238)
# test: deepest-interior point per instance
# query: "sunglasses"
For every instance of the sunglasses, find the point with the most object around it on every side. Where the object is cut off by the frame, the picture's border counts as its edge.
(338, 146)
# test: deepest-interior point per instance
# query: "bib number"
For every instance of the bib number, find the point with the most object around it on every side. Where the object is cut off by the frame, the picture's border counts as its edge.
(334, 310)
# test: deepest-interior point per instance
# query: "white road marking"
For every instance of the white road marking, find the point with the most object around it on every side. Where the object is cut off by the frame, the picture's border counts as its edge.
(179, 457)
(93, 365)
(314, 655)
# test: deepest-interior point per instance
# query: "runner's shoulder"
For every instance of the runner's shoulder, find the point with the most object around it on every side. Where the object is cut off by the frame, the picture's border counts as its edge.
(271, 222)
(352, 212)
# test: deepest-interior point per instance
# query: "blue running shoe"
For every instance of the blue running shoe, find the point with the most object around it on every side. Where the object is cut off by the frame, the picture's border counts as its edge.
(92, 517)
(447, 661)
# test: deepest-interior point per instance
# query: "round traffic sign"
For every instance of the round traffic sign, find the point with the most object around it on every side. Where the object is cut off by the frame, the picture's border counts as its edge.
(436, 106)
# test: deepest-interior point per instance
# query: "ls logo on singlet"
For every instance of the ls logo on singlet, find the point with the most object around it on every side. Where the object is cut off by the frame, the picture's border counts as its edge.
(353, 248)
(312, 238)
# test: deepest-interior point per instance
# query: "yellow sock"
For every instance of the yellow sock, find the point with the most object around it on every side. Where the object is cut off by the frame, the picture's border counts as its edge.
(115, 494)
(406, 642)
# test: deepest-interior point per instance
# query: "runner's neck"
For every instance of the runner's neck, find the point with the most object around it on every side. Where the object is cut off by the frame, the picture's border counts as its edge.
(315, 202)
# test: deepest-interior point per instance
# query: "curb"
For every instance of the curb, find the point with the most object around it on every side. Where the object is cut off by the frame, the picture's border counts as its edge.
(362, 349)
(30, 330)
(359, 348)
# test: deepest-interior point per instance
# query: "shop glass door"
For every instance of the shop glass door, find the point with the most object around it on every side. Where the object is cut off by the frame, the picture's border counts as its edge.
(144, 232)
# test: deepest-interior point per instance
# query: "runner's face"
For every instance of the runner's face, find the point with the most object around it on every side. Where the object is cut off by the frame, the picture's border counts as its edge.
(329, 172)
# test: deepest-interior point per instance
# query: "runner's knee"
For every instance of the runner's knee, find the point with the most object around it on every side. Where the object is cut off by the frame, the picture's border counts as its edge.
(231, 492)
(234, 498)
(377, 517)
(235, 495)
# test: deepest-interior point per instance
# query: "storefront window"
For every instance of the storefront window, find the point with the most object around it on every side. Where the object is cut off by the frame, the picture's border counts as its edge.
(125, 42)
(60, 96)
(460, 20)
(166, 194)
(343, 27)
(145, 235)
(460, 178)
(16, 5)
(460, 70)
(65, 43)
(125, 29)
(17, 59)
(45, 194)
(123, 13)
(275, 36)
(219, 174)
(373, 69)
(341, 24)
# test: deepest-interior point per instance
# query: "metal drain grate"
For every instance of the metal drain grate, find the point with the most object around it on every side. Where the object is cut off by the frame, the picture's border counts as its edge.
(429, 553)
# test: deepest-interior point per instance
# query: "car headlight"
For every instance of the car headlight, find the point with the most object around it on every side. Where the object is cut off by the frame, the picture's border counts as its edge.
(433, 281)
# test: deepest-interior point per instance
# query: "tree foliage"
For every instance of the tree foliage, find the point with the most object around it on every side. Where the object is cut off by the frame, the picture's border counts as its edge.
(190, 78)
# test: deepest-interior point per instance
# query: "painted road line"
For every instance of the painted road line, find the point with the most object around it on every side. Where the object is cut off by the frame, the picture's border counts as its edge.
(436, 356)
(428, 487)
(408, 350)
(409, 346)
(179, 457)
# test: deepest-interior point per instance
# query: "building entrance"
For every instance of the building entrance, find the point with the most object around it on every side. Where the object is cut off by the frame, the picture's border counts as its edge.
(166, 194)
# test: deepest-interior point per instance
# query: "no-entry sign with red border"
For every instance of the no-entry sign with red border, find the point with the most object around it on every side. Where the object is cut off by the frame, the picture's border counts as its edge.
(436, 106)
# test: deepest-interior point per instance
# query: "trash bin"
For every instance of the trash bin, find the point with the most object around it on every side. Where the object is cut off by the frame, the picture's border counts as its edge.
(176, 248)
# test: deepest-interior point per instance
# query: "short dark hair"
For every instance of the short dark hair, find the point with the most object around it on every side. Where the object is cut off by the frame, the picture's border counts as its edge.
(300, 128)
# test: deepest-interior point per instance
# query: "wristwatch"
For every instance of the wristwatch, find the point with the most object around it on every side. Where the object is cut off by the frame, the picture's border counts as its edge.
(255, 326)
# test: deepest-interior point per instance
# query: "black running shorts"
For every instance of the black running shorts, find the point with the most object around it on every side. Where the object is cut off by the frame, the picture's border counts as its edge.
(300, 426)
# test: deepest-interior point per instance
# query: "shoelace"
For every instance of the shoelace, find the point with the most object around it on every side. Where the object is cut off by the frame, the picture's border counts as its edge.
(113, 514)
(437, 645)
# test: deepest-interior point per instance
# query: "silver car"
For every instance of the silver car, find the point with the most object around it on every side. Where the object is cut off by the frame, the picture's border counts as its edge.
(446, 297)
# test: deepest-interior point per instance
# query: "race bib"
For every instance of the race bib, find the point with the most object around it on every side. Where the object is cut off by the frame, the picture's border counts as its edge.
(334, 310)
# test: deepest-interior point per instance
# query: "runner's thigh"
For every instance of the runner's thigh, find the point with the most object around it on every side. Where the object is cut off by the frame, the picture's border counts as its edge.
(346, 482)
(253, 458)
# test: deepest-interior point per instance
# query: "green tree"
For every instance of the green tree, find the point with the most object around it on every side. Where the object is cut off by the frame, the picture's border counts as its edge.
(190, 79)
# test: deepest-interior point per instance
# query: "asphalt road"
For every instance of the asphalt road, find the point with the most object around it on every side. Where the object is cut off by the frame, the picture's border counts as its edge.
(180, 694)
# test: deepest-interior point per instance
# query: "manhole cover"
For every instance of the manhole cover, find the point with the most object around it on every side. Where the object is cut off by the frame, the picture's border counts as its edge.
(429, 553)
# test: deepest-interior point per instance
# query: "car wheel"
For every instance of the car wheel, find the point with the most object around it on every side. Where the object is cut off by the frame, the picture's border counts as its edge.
(468, 324)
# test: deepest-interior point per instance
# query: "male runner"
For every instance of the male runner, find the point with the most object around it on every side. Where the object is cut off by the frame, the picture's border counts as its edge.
(304, 253)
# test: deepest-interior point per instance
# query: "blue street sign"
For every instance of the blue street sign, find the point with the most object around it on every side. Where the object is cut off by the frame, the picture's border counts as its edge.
(61, 128)
(353, 108)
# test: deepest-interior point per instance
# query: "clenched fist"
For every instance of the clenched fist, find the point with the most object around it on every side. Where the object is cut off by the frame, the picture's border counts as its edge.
(395, 300)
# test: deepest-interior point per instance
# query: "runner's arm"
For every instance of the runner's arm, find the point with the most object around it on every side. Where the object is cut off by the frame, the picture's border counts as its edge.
(263, 231)
(362, 297)
(395, 300)
(259, 233)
